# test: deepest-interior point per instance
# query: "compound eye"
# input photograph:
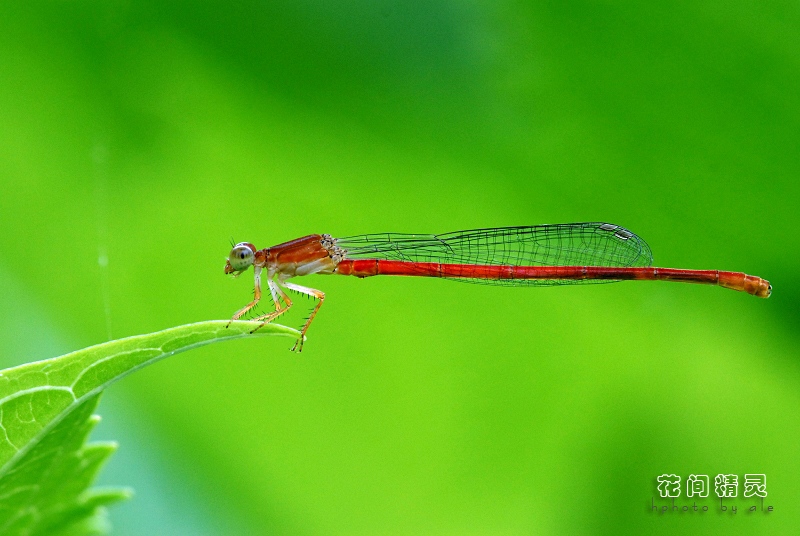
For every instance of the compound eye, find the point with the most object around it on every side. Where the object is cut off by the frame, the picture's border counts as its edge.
(241, 257)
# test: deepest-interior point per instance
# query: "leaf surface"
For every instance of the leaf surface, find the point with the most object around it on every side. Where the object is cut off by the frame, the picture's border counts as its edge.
(46, 408)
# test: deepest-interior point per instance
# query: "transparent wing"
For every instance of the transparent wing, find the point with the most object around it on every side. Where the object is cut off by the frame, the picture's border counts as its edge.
(569, 244)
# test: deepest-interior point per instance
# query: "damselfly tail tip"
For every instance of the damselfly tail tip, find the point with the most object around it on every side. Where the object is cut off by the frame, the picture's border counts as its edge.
(745, 283)
(762, 288)
(768, 292)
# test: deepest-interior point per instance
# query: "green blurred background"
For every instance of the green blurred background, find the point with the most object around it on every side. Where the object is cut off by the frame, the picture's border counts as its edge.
(137, 138)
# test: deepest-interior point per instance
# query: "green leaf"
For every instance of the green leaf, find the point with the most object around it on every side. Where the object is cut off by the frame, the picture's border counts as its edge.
(46, 410)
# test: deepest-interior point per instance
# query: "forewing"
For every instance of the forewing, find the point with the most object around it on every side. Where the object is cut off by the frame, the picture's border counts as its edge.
(572, 244)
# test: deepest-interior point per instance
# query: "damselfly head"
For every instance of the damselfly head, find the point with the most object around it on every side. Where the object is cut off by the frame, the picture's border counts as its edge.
(240, 259)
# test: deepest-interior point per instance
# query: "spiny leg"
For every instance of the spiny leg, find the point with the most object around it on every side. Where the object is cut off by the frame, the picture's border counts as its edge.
(256, 297)
(314, 293)
(274, 290)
